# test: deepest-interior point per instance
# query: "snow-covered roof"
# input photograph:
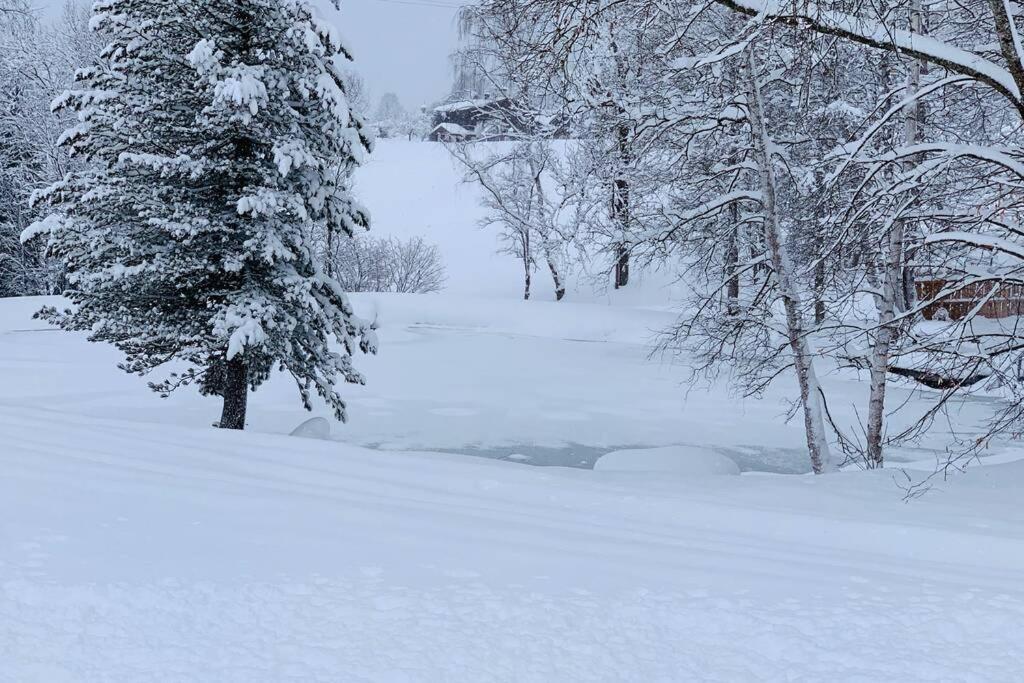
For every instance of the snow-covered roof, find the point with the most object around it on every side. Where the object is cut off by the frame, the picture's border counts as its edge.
(453, 128)
(463, 104)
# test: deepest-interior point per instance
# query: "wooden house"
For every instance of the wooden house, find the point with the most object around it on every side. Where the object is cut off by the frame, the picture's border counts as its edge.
(491, 119)
(993, 300)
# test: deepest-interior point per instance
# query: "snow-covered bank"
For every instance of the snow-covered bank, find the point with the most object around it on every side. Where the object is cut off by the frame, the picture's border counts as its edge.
(140, 544)
(489, 376)
(136, 552)
(137, 543)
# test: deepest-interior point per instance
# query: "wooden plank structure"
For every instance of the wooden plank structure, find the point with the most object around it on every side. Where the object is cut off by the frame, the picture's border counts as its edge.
(1003, 300)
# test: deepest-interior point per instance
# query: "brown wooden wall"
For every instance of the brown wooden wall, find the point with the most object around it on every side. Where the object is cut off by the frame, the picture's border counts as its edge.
(1007, 301)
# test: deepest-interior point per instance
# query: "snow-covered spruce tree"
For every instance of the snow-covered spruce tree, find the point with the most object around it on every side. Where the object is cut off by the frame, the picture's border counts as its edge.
(219, 134)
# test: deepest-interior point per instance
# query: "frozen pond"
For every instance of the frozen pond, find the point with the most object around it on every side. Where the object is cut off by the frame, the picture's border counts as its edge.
(749, 459)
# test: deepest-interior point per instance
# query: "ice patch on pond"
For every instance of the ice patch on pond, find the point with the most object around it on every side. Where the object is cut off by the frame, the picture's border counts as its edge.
(685, 460)
(583, 456)
(314, 428)
(575, 455)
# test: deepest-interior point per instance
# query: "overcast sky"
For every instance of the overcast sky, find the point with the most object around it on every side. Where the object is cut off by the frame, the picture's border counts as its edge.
(400, 46)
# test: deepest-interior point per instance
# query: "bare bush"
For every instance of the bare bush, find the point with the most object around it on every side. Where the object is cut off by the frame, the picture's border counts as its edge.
(373, 264)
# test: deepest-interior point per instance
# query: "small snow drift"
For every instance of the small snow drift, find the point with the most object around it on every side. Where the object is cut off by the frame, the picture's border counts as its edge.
(314, 428)
(685, 460)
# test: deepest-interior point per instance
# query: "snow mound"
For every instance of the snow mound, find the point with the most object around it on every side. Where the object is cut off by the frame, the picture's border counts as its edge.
(314, 428)
(686, 460)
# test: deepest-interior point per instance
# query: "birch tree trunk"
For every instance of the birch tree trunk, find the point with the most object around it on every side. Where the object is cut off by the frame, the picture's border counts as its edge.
(895, 295)
(527, 262)
(620, 186)
(819, 284)
(621, 210)
(810, 391)
(543, 227)
(892, 279)
(556, 277)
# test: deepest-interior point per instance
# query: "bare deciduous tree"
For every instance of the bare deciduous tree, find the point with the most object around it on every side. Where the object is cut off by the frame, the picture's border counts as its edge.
(37, 62)
(532, 220)
(370, 264)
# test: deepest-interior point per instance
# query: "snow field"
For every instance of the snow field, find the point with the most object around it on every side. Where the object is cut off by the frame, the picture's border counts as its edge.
(139, 552)
(139, 544)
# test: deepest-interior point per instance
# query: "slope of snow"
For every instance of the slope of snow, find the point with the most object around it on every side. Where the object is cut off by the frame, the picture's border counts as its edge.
(135, 552)
(138, 544)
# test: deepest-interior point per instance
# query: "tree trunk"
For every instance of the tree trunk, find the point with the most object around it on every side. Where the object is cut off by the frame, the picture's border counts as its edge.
(819, 290)
(820, 277)
(732, 260)
(908, 284)
(895, 295)
(236, 394)
(542, 223)
(905, 293)
(810, 391)
(621, 266)
(527, 262)
(330, 253)
(882, 348)
(620, 186)
(620, 213)
(556, 277)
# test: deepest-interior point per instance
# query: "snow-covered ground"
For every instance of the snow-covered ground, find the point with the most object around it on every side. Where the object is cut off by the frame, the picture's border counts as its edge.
(139, 544)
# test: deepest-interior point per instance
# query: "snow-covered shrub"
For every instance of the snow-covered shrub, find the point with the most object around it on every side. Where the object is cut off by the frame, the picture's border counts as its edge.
(374, 264)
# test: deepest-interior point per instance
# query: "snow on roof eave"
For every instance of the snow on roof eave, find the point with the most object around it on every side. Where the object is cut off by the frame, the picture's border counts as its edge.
(452, 128)
(469, 105)
(464, 104)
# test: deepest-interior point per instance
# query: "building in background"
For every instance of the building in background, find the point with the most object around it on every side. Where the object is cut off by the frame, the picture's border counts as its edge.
(493, 120)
